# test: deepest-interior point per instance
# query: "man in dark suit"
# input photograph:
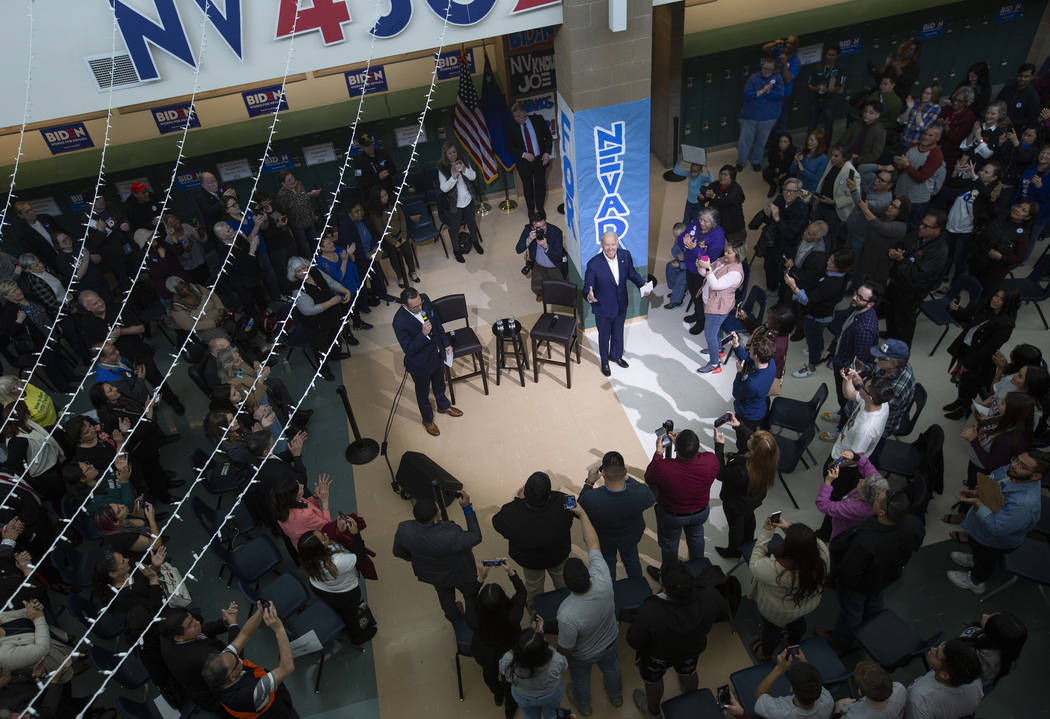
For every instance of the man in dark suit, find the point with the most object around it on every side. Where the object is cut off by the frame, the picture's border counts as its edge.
(421, 336)
(209, 198)
(374, 166)
(605, 287)
(186, 642)
(442, 553)
(529, 140)
(546, 248)
(38, 233)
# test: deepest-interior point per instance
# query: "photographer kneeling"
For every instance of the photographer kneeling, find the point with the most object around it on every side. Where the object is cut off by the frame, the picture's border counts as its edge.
(547, 259)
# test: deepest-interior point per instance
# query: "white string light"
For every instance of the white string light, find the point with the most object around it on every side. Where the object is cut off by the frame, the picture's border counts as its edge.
(197, 556)
(25, 114)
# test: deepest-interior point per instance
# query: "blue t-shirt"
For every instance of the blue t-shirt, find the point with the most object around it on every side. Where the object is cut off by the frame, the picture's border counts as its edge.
(618, 514)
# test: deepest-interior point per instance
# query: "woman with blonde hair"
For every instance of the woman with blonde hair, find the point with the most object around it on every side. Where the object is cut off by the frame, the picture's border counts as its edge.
(459, 196)
(745, 478)
(41, 406)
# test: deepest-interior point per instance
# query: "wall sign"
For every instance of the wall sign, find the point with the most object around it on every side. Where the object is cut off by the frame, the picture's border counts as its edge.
(172, 118)
(234, 170)
(319, 154)
(77, 201)
(355, 81)
(849, 46)
(530, 39)
(934, 28)
(448, 64)
(546, 106)
(66, 138)
(264, 100)
(531, 72)
(277, 161)
(1008, 11)
(189, 179)
(45, 206)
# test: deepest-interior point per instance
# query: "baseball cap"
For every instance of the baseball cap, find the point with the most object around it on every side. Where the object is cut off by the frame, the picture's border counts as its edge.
(893, 349)
(138, 187)
(365, 139)
(173, 282)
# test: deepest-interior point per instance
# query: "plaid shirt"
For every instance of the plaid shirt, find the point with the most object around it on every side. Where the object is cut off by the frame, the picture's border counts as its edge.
(919, 118)
(856, 340)
(903, 383)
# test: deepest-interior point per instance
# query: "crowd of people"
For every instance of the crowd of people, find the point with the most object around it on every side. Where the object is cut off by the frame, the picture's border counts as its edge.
(914, 194)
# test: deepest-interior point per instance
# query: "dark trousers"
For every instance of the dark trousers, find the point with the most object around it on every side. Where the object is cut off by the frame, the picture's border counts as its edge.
(610, 337)
(425, 382)
(401, 258)
(771, 633)
(821, 112)
(902, 304)
(773, 263)
(813, 328)
(627, 548)
(855, 608)
(447, 599)
(693, 283)
(344, 604)
(533, 182)
(459, 216)
(985, 561)
(741, 527)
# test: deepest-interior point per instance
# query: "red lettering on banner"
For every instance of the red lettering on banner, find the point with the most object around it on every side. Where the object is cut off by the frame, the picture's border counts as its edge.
(327, 16)
(523, 5)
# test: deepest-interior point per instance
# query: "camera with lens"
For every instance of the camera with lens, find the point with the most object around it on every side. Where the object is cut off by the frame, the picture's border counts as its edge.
(664, 433)
(528, 267)
(540, 233)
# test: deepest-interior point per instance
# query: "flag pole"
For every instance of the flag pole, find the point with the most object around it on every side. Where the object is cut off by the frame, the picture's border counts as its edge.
(508, 205)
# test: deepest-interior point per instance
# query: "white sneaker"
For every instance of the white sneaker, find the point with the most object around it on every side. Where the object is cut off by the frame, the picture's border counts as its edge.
(804, 372)
(962, 581)
(829, 436)
(963, 559)
(830, 416)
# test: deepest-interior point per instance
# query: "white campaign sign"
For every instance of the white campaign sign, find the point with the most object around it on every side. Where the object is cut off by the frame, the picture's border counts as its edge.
(247, 42)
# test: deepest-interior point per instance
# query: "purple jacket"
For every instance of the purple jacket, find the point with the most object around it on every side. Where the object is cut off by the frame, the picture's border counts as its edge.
(851, 510)
(711, 244)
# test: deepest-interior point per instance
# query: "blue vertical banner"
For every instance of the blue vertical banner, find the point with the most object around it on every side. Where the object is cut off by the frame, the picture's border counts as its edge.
(567, 146)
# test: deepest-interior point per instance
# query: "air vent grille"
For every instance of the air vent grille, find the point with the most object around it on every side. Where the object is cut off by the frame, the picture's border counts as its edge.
(121, 67)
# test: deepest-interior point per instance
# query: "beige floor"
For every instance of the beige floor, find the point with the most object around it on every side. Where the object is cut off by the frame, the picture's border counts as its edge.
(495, 446)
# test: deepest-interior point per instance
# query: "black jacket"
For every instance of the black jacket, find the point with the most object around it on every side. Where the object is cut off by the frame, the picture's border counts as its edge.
(555, 247)
(871, 556)
(734, 477)
(441, 554)
(923, 266)
(825, 295)
(730, 205)
(539, 537)
(36, 244)
(368, 169)
(674, 631)
(993, 331)
(516, 143)
(184, 661)
(788, 230)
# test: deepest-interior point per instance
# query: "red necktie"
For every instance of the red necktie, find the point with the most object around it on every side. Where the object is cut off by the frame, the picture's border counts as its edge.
(530, 148)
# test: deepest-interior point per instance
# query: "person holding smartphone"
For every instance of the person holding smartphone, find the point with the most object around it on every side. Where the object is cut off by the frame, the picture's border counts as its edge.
(746, 477)
(834, 201)
(808, 696)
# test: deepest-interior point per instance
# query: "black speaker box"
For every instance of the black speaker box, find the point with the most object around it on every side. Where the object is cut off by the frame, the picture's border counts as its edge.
(417, 473)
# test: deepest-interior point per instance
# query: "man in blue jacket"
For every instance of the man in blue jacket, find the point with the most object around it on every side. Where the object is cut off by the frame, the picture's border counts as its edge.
(605, 287)
(421, 336)
(763, 96)
(994, 534)
(546, 247)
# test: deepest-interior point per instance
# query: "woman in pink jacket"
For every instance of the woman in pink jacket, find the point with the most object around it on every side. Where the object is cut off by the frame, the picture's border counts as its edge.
(721, 278)
(847, 511)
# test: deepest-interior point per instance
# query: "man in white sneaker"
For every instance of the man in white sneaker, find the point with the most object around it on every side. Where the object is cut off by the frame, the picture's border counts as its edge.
(995, 534)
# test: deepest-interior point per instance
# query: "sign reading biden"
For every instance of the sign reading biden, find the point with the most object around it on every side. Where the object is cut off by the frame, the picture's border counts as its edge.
(448, 64)
(264, 100)
(376, 77)
(66, 138)
(173, 118)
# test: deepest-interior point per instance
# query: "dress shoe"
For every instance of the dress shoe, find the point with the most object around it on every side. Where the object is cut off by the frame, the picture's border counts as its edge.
(606, 371)
(959, 413)
(432, 429)
(415, 278)
(653, 572)
(690, 318)
(539, 298)
(952, 406)
(362, 325)
(477, 248)
(728, 552)
(351, 340)
(622, 362)
(451, 412)
(459, 257)
(339, 355)
(695, 330)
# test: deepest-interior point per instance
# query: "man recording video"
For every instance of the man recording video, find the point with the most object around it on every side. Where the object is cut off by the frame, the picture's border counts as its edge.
(547, 259)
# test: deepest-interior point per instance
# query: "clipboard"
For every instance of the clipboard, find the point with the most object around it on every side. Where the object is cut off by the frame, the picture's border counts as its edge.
(693, 154)
(990, 493)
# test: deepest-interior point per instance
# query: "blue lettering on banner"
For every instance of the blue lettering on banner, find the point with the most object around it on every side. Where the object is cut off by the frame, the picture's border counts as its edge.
(567, 146)
(355, 81)
(66, 138)
(609, 151)
(77, 202)
(264, 100)
(849, 46)
(172, 118)
(934, 28)
(277, 161)
(528, 39)
(462, 13)
(1008, 11)
(189, 180)
(448, 64)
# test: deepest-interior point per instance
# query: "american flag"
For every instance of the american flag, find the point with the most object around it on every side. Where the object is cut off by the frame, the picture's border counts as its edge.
(469, 123)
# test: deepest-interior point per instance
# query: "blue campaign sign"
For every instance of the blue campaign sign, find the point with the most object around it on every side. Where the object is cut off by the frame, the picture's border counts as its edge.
(849, 46)
(77, 201)
(277, 161)
(355, 81)
(1008, 11)
(448, 64)
(607, 180)
(264, 100)
(66, 138)
(189, 179)
(172, 118)
(567, 147)
(931, 29)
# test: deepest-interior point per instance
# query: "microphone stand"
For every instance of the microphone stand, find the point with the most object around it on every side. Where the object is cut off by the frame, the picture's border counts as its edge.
(363, 449)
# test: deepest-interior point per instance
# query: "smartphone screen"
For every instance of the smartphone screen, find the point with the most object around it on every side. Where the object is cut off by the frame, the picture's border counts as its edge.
(722, 420)
(570, 502)
(723, 695)
(837, 462)
(792, 651)
(493, 562)
(774, 517)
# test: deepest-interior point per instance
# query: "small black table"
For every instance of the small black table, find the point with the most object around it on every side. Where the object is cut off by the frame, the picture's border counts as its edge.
(509, 330)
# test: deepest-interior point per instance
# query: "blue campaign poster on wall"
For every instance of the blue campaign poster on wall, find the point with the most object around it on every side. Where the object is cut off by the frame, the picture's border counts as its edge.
(612, 177)
(264, 100)
(66, 138)
(173, 118)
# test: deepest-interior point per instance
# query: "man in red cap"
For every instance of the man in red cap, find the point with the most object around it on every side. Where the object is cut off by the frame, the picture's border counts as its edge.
(143, 208)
